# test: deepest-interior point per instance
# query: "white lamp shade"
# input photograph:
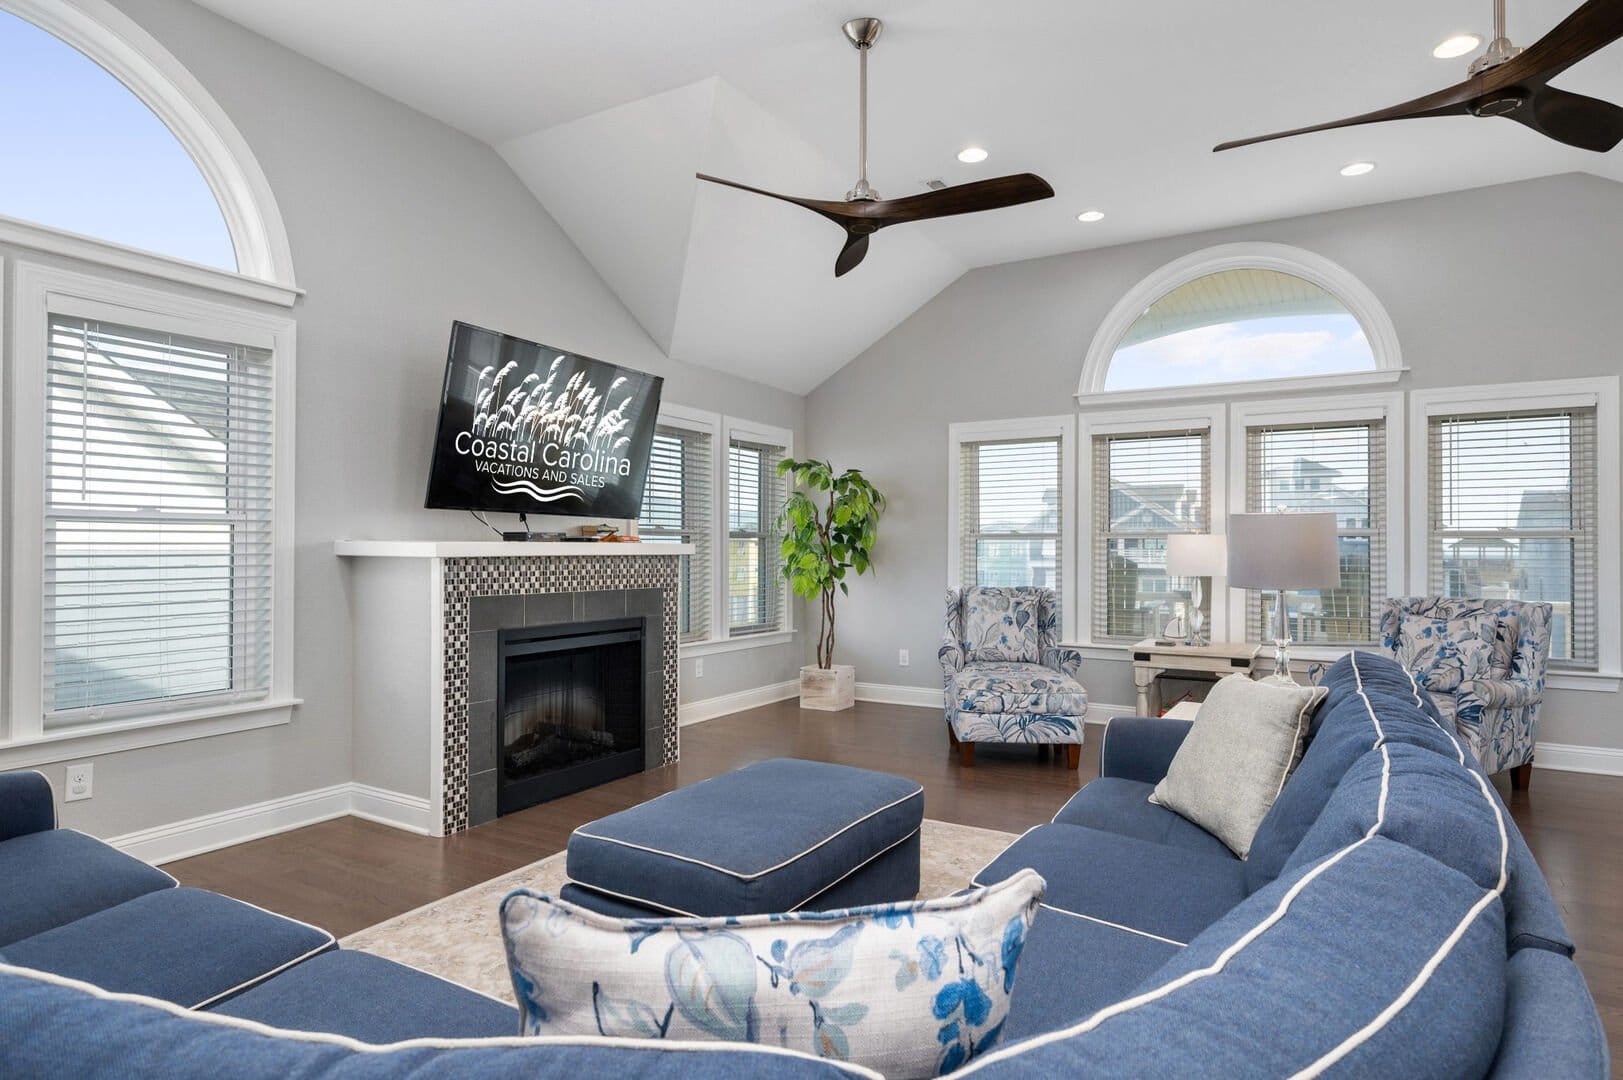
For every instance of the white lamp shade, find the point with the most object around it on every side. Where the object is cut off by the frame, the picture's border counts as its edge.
(1283, 551)
(1197, 555)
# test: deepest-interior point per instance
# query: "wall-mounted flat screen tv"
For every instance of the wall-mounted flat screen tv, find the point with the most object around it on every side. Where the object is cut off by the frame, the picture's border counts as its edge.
(527, 428)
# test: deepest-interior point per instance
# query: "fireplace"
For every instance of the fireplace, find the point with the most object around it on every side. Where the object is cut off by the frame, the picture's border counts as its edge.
(569, 708)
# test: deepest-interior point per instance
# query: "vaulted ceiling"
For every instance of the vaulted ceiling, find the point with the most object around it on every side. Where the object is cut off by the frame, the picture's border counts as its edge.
(606, 110)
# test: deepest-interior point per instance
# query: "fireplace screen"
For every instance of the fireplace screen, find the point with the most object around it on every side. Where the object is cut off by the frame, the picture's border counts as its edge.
(568, 709)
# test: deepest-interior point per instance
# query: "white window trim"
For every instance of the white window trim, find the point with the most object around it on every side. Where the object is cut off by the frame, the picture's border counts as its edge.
(1321, 410)
(35, 291)
(1030, 427)
(135, 58)
(1213, 417)
(721, 637)
(1330, 276)
(1602, 393)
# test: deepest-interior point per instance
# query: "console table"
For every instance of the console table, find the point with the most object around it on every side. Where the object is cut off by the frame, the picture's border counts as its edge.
(1152, 659)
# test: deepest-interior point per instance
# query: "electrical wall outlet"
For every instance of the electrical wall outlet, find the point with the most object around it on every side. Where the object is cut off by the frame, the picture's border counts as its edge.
(80, 779)
(902, 659)
(698, 668)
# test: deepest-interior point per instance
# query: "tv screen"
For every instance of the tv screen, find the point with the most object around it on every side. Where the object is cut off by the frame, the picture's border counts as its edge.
(526, 428)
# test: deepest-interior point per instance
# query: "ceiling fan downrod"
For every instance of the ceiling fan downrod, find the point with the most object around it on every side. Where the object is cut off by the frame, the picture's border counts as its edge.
(862, 33)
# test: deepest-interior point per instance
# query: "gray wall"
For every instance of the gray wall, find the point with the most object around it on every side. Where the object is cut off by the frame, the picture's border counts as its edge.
(1500, 284)
(398, 225)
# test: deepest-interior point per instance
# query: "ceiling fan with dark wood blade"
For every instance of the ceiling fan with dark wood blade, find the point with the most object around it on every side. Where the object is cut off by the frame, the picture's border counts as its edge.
(1514, 83)
(863, 212)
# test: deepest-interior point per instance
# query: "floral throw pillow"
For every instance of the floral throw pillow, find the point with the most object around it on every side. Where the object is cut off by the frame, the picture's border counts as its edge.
(1444, 653)
(1000, 626)
(911, 990)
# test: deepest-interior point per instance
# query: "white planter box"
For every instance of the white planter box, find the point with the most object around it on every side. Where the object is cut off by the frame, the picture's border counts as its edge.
(830, 690)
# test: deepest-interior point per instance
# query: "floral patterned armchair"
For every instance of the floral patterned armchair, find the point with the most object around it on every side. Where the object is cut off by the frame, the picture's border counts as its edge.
(1484, 662)
(1008, 679)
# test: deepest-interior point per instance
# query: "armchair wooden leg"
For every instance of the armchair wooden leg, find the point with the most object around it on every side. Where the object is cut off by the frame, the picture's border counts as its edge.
(1521, 777)
(952, 736)
(1073, 756)
(966, 754)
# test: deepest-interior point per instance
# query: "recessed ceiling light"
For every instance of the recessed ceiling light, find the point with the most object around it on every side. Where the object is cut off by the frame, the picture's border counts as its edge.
(1090, 216)
(1358, 168)
(1457, 46)
(971, 155)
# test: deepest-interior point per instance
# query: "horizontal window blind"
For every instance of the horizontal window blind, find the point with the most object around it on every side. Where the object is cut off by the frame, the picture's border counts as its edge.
(158, 521)
(676, 509)
(1337, 468)
(1513, 516)
(1009, 513)
(1145, 487)
(755, 495)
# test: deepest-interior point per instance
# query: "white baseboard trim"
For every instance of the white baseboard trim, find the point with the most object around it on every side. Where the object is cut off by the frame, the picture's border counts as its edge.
(209, 832)
(927, 697)
(1563, 757)
(696, 712)
(410, 812)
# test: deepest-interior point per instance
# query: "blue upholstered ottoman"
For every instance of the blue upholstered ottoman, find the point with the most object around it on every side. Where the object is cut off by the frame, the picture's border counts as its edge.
(782, 835)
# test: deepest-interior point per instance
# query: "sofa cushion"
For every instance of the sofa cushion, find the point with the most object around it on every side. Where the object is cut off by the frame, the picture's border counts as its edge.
(182, 945)
(766, 838)
(1374, 673)
(1377, 961)
(911, 990)
(1420, 799)
(1072, 967)
(1000, 625)
(1017, 688)
(50, 1021)
(1551, 1025)
(1443, 653)
(59, 875)
(1149, 888)
(1361, 712)
(371, 999)
(1236, 758)
(1123, 807)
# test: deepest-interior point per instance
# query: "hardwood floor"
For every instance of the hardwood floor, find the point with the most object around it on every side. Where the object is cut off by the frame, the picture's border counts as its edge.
(349, 874)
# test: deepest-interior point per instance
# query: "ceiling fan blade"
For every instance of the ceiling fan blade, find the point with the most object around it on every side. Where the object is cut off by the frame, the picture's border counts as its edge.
(993, 194)
(1454, 101)
(834, 211)
(1586, 31)
(854, 251)
(1585, 122)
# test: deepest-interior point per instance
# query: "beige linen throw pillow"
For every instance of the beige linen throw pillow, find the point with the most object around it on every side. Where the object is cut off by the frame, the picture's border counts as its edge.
(1236, 758)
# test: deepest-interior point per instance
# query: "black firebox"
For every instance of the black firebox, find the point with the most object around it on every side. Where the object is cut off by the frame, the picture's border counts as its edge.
(569, 709)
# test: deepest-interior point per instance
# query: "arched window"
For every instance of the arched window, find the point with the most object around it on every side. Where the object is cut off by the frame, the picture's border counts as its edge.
(1239, 319)
(106, 136)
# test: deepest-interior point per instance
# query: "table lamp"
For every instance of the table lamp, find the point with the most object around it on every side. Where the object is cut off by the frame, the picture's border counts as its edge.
(1281, 552)
(1200, 556)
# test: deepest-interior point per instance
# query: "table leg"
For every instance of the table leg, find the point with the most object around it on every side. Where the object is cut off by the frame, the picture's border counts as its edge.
(1144, 680)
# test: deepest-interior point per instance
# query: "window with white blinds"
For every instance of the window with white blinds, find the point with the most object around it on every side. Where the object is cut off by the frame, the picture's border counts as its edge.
(755, 495)
(1146, 486)
(676, 509)
(1009, 512)
(158, 542)
(1337, 468)
(1513, 516)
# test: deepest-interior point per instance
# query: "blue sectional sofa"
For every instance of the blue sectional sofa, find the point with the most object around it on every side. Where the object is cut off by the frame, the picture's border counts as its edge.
(1389, 922)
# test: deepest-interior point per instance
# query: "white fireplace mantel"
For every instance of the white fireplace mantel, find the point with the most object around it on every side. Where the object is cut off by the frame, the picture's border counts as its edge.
(482, 549)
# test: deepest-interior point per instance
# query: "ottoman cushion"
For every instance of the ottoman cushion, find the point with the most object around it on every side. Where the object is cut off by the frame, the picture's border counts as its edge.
(767, 838)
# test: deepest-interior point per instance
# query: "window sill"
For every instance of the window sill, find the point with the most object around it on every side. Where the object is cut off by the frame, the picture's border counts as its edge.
(726, 645)
(1244, 389)
(1594, 682)
(119, 736)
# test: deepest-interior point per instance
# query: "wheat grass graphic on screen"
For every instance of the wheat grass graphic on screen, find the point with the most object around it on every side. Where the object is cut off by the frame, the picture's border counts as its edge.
(572, 416)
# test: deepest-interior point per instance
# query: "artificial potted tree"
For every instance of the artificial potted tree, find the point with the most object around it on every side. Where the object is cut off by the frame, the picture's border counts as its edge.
(820, 545)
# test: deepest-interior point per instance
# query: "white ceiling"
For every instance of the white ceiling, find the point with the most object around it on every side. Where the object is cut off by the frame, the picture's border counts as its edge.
(606, 110)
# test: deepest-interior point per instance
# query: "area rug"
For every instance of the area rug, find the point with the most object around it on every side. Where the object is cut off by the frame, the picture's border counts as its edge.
(457, 938)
